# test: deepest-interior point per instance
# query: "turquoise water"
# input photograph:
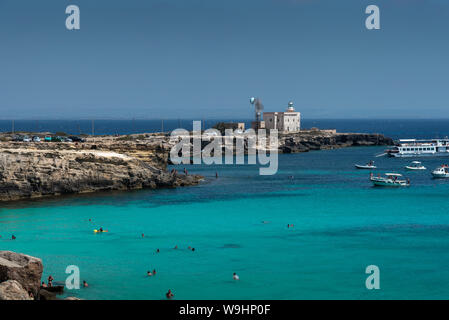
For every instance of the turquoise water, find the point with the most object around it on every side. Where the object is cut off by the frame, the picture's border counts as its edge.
(341, 225)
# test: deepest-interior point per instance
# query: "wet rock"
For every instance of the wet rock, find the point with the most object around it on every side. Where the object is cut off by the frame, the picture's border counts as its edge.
(47, 295)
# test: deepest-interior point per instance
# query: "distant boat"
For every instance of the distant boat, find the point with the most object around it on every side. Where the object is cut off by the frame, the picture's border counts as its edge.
(415, 165)
(369, 165)
(441, 172)
(390, 180)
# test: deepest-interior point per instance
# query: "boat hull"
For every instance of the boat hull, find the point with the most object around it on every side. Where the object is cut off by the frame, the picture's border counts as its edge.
(418, 155)
(440, 175)
(365, 167)
(412, 168)
(389, 183)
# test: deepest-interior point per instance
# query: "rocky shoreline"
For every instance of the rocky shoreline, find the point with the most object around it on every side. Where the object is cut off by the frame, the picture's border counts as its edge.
(20, 279)
(34, 170)
(31, 170)
(309, 140)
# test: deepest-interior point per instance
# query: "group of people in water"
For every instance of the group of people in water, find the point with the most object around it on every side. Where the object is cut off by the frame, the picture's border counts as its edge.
(50, 280)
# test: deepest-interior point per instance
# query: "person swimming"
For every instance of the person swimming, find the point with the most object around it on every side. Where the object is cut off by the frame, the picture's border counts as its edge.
(101, 229)
(154, 272)
(85, 285)
(149, 273)
(169, 294)
(235, 276)
(43, 285)
(13, 237)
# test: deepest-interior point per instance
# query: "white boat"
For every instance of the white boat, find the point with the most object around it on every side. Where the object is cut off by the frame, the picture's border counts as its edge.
(369, 165)
(441, 172)
(390, 180)
(420, 148)
(415, 165)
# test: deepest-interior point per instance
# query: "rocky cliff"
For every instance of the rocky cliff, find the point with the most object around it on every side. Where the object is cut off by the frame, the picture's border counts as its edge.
(20, 276)
(319, 140)
(31, 170)
(20, 279)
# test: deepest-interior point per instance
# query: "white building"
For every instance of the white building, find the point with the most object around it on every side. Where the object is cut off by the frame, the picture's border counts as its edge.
(288, 121)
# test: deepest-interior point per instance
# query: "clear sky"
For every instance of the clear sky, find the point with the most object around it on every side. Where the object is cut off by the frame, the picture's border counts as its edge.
(204, 59)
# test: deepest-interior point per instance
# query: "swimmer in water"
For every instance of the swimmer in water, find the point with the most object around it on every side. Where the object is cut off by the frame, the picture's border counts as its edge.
(169, 294)
(149, 273)
(157, 251)
(176, 247)
(43, 285)
(85, 285)
(154, 272)
(13, 237)
(235, 276)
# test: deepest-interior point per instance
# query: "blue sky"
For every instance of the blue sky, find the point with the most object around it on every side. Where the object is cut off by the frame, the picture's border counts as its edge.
(205, 58)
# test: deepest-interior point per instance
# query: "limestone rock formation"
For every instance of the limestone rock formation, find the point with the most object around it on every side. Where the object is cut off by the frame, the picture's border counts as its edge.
(321, 140)
(24, 269)
(35, 172)
(12, 290)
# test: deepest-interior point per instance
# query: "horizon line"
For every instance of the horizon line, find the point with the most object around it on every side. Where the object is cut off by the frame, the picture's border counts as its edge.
(201, 119)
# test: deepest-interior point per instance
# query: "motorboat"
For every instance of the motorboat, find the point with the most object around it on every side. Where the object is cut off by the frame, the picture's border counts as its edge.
(389, 180)
(441, 172)
(370, 165)
(415, 165)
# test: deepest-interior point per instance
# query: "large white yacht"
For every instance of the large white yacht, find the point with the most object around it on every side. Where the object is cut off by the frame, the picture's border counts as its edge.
(419, 148)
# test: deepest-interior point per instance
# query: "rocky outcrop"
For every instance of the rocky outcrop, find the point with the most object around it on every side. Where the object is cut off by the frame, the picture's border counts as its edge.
(31, 172)
(24, 269)
(13, 290)
(321, 140)
(46, 295)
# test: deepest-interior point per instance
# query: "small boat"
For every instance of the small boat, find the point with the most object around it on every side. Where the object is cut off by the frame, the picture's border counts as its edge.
(368, 166)
(389, 180)
(441, 172)
(415, 165)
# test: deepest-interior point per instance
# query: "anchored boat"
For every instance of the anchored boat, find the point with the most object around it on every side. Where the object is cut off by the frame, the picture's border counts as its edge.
(415, 165)
(441, 172)
(369, 165)
(389, 180)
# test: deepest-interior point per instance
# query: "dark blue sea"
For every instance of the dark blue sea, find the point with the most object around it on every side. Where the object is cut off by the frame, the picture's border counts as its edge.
(393, 128)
